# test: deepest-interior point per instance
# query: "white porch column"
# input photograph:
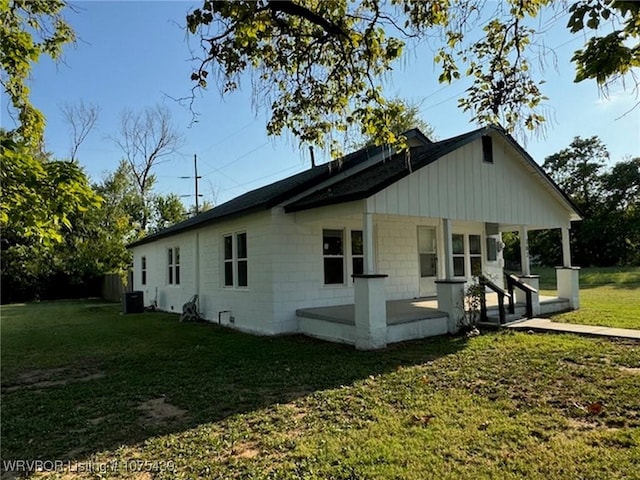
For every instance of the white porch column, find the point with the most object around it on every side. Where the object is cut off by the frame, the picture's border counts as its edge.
(566, 248)
(448, 249)
(370, 311)
(524, 251)
(569, 285)
(451, 301)
(568, 277)
(367, 243)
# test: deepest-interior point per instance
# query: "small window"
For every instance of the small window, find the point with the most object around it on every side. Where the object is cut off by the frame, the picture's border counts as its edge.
(143, 270)
(492, 249)
(458, 254)
(487, 149)
(357, 252)
(173, 263)
(236, 268)
(333, 253)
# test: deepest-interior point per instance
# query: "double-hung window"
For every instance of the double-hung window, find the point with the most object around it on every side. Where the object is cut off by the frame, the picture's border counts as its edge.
(467, 255)
(236, 269)
(173, 262)
(457, 240)
(333, 256)
(475, 255)
(143, 270)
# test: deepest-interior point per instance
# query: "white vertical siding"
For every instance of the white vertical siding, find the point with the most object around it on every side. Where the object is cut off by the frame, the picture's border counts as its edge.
(461, 186)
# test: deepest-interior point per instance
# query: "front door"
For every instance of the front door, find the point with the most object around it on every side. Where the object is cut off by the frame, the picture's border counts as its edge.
(427, 260)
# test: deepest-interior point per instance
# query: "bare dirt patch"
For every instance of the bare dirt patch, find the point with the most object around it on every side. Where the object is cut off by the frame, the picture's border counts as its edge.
(158, 411)
(245, 450)
(632, 370)
(50, 377)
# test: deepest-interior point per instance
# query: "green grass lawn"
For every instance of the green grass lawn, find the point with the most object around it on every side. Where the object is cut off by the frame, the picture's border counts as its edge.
(80, 381)
(608, 296)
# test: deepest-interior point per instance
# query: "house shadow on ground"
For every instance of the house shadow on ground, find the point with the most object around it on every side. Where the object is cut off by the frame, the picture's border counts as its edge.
(153, 376)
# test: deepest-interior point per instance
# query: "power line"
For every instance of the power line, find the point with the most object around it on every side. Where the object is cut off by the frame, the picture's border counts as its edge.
(195, 177)
(218, 169)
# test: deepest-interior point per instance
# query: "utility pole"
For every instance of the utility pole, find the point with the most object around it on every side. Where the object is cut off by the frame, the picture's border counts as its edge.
(195, 177)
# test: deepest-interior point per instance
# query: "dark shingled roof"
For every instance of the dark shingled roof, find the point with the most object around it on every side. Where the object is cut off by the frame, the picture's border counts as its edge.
(354, 187)
(268, 196)
(380, 175)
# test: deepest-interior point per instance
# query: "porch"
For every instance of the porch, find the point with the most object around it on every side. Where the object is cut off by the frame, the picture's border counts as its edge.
(407, 319)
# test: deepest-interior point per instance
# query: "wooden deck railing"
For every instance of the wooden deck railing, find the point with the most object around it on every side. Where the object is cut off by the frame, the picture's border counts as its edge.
(502, 294)
(512, 283)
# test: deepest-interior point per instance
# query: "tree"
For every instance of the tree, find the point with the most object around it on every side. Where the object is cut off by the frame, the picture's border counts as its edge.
(407, 117)
(609, 199)
(169, 210)
(81, 119)
(146, 138)
(28, 30)
(318, 66)
(41, 200)
(39, 195)
(123, 210)
(578, 170)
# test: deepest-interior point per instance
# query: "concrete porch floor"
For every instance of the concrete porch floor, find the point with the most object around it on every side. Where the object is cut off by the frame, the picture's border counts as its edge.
(409, 310)
(398, 311)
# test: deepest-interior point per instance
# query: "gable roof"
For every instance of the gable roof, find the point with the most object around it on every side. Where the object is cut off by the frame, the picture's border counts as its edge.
(273, 194)
(352, 187)
(379, 175)
(382, 174)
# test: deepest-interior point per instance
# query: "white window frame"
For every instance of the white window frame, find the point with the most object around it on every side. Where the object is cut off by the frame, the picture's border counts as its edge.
(475, 255)
(347, 255)
(173, 266)
(342, 256)
(462, 255)
(234, 260)
(467, 255)
(353, 255)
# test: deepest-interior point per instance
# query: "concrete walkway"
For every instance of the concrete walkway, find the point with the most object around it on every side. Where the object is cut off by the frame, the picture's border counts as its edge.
(546, 325)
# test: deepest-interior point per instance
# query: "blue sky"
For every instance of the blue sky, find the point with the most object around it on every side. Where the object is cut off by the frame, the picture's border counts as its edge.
(135, 54)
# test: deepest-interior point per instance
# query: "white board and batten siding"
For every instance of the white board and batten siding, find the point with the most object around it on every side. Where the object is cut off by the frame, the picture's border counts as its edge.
(461, 186)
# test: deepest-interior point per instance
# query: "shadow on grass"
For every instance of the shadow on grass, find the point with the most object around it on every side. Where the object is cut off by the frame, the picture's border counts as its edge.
(193, 373)
(589, 286)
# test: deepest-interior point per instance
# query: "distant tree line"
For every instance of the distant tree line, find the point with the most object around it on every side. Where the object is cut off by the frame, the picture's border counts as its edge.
(60, 233)
(609, 200)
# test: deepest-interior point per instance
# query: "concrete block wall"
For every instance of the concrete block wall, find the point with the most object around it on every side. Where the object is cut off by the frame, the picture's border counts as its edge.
(250, 307)
(397, 253)
(170, 298)
(298, 265)
(285, 265)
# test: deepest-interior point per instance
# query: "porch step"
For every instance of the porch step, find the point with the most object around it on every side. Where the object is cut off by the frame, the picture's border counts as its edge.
(494, 320)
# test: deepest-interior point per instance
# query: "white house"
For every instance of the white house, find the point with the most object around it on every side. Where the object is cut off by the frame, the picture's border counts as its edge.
(371, 249)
